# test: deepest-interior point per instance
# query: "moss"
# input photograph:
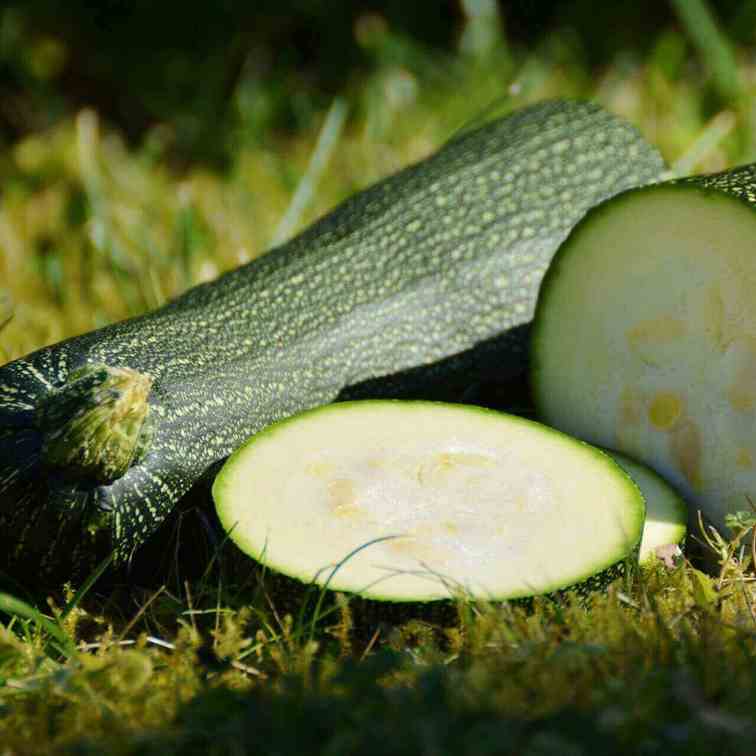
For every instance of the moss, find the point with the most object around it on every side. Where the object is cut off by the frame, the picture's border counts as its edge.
(658, 664)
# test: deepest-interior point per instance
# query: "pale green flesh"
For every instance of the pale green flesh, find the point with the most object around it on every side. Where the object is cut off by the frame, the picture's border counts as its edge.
(666, 512)
(645, 340)
(470, 501)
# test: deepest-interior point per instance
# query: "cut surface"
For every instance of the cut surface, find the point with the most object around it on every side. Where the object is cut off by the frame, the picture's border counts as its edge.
(466, 500)
(666, 512)
(645, 339)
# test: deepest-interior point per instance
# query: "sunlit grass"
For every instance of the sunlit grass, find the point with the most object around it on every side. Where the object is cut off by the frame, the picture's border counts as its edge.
(91, 232)
(666, 658)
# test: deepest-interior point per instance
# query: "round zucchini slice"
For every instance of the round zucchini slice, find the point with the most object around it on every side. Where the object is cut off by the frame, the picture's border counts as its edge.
(419, 501)
(644, 337)
(666, 511)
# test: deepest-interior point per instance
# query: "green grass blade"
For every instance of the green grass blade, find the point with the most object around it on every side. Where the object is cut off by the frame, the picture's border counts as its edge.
(86, 585)
(6, 309)
(18, 608)
(327, 141)
(709, 140)
(6, 315)
(317, 616)
(713, 46)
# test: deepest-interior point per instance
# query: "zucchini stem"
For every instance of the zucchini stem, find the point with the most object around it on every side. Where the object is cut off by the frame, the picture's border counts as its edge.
(97, 424)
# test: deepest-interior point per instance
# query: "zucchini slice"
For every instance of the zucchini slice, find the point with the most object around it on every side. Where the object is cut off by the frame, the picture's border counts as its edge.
(666, 511)
(424, 500)
(645, 335)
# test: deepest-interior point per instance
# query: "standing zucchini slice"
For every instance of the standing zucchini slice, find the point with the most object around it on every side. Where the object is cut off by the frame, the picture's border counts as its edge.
(666, 512)
(113, 427)
(645, 335)
(429, 499)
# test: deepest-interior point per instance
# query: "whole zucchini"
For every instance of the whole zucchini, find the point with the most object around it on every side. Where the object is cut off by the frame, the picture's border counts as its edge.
(112, 427)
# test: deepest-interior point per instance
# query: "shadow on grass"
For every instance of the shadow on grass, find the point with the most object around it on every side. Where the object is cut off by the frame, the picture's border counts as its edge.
(444, 712)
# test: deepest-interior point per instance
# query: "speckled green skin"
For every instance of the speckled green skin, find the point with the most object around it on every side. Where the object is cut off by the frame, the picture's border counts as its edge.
(738, 182)
(420, 266)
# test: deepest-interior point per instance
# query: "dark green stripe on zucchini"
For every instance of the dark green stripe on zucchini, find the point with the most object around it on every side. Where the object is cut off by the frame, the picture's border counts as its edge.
(423, 265)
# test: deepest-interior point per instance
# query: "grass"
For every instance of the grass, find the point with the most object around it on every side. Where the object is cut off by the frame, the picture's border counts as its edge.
(91, 232)
(665, 663)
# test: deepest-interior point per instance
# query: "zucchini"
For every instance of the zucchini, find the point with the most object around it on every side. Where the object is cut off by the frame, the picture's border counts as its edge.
(645, 335)
(111, 428)
(411, 501)
(666, 512)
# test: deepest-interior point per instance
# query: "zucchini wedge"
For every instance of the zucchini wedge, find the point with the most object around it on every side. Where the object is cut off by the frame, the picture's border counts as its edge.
(109, 429)
(420, 501)
(644, 338)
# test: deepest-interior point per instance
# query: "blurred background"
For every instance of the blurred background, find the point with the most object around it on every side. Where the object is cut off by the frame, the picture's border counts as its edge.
(147, 146)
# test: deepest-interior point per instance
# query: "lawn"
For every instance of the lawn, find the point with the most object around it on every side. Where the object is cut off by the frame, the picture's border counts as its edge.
(219, 657)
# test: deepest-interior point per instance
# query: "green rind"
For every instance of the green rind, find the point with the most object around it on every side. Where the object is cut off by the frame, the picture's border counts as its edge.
(430, 263)
(597, 579)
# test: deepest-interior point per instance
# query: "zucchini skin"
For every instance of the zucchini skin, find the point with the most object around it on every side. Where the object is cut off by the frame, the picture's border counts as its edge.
(738, 182)
(423, 265)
